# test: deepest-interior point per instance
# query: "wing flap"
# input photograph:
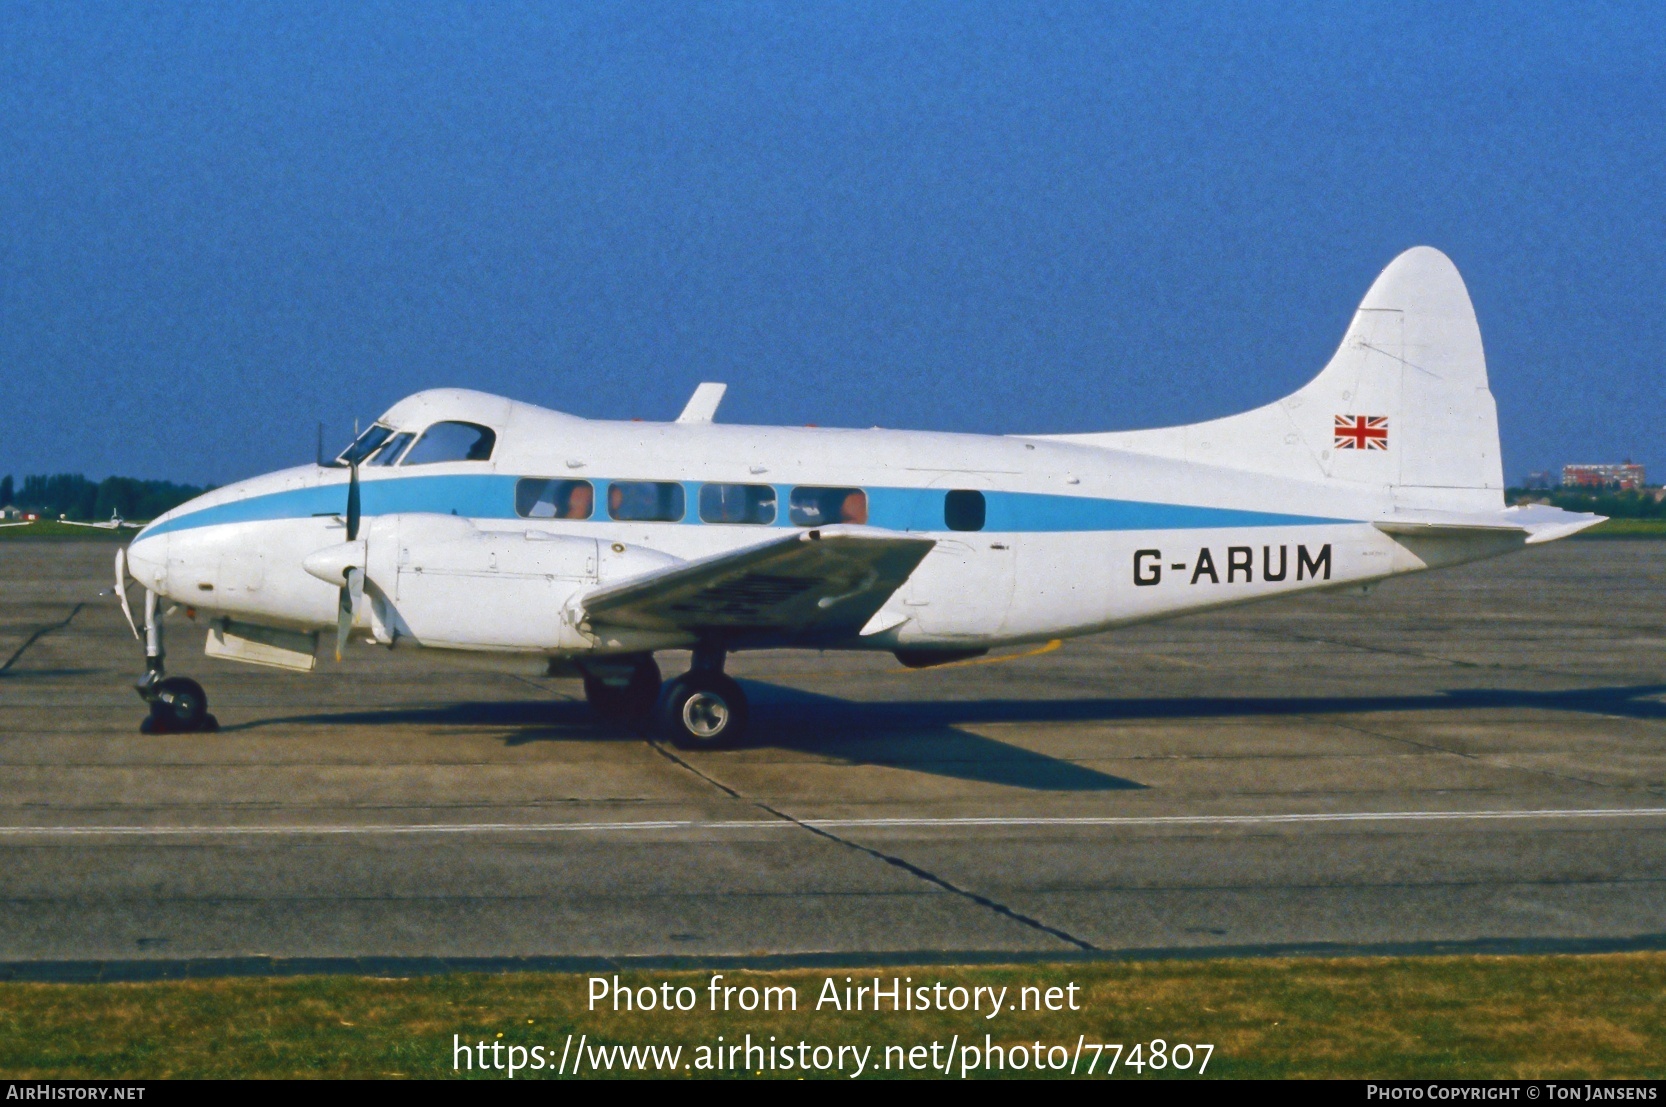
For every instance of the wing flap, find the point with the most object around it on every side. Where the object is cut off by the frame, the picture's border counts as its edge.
(817, 583)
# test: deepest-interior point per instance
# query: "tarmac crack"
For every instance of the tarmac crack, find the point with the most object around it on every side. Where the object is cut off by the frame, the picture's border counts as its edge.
(894, 861)
(40, 633)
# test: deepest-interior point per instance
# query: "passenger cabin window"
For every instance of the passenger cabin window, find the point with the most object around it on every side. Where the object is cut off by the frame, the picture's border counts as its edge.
(964, 509)
(737, 503)
(389, 453)
(364, 445)
(554, 499)
(452, 442)
(820, 507)
(645, 501)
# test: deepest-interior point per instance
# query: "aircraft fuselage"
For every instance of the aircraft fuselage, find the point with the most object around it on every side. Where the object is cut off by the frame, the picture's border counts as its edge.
(1034, 538)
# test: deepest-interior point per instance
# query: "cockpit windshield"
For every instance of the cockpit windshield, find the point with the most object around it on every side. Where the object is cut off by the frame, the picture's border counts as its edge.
(452, 441)
(364, 445)
(395, 446)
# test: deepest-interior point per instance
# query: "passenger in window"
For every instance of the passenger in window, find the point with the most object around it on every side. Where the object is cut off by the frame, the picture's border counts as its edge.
(645, 501)
(553, 499)
(816, 507)
(854, 508)
(581, 501)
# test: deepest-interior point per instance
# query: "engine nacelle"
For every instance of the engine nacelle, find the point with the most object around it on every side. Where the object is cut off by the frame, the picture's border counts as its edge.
(442, 581)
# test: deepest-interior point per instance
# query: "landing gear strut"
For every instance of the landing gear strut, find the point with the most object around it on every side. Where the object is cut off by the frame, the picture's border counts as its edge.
(177, 704)
(624, 690)
(703, 709)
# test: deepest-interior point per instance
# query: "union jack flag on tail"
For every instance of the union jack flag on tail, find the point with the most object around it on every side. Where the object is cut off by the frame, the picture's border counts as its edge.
(1361, 432)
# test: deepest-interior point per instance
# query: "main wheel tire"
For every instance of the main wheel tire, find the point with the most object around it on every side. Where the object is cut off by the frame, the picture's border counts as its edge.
(703, 711)
(629, 702)
(180, 706)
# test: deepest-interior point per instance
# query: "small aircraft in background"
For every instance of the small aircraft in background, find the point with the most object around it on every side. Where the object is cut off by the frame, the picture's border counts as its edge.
(114, 522)
(469, 522)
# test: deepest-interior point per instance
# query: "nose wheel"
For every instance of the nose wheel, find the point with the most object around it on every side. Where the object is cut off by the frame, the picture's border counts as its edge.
(180, 706)
(177, 704)
(703, 708)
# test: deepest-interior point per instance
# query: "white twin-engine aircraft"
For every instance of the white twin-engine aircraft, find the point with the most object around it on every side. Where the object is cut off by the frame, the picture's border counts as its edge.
(463, 521)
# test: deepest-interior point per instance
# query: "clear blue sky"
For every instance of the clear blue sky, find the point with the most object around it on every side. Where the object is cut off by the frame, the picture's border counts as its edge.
(221, 223)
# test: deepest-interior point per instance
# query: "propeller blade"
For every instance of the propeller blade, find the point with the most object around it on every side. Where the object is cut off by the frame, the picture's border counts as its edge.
(353, 502)
(121, 589)
(348, 608)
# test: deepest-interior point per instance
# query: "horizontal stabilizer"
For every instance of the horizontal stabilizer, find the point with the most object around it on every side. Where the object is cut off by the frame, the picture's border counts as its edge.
(1539, 522)
(822, 583)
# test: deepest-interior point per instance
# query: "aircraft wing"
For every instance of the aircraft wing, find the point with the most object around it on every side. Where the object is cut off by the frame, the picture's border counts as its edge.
(811, 584)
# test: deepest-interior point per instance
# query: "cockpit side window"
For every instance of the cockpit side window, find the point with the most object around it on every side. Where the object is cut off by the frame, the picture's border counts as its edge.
(364, 445)
(452, 441)
(395, 446)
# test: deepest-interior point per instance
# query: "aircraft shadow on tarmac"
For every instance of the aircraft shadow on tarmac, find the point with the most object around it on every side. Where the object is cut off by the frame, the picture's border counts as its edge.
(38, 674)
(783, 718)
(925, 736)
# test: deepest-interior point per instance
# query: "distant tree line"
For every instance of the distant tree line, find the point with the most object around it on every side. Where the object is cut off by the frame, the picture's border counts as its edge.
(1615, 505)
(74, 496)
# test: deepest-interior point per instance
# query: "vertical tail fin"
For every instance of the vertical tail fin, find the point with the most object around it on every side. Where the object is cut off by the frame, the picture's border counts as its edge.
(1404, 403)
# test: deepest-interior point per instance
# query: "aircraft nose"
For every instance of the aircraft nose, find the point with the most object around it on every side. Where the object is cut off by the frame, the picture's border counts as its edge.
(147, 561)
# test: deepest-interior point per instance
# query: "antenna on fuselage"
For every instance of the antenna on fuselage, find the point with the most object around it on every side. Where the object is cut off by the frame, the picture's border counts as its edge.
(702, 406)
(320, 455)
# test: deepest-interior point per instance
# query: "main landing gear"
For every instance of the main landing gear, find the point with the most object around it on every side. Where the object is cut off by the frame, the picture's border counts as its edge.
(702, 709)
(177, 704)
(622, 690)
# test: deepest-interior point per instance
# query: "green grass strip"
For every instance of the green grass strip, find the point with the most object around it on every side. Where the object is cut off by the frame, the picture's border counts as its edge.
(1626, 528)
(51, 529)
(1565, 1017)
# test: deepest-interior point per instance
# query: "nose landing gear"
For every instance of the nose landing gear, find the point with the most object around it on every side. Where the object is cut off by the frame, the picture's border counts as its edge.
(177, 704)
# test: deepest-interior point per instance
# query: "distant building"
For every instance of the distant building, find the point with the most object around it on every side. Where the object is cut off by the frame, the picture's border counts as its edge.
(10, 512)
(1541, 481)
(1626, 476)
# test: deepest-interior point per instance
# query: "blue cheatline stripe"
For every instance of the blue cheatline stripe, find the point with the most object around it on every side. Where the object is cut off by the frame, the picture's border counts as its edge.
(493, 497)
